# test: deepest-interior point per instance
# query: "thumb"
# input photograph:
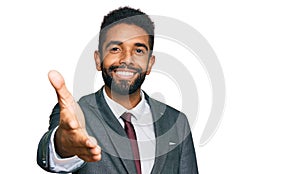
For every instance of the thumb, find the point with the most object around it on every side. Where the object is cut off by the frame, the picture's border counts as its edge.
(64, 97)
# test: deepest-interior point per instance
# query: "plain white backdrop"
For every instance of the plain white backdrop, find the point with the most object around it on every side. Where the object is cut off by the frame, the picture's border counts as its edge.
(257, 43)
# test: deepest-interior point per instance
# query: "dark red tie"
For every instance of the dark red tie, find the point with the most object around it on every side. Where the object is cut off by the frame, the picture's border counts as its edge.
(129, 129)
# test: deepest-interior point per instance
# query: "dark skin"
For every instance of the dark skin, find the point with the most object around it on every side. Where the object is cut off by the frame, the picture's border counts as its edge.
(125, 44)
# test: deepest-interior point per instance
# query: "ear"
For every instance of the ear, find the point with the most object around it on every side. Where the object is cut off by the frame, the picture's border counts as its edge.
(97, 60)
(150, 64)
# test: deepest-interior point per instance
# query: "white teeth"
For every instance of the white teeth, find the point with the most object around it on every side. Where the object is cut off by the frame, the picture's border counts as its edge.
(124, 73)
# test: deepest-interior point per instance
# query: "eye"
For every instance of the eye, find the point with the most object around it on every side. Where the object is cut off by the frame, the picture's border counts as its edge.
(115, 50)
(140, 51)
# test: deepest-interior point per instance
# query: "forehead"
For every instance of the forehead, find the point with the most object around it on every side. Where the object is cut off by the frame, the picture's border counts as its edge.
(126, 32)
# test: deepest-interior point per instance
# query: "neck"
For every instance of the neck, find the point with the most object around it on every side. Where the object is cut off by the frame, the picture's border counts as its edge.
(128, 101)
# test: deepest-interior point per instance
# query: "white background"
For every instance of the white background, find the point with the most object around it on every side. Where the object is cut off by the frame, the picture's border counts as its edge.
(257, 43)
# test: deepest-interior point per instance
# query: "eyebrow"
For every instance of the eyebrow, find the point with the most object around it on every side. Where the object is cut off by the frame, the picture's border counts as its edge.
(141, 45)
(120, 43)
(113, 43)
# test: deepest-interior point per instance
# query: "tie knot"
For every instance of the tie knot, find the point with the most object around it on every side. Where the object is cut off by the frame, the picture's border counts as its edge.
(126, 116)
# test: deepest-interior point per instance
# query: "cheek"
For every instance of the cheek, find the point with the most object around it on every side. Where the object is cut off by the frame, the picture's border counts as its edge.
(143, 64)
(140, 60)
(108, 61)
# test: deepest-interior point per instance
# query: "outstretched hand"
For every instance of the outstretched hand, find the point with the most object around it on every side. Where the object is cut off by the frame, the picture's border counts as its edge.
(71, 137)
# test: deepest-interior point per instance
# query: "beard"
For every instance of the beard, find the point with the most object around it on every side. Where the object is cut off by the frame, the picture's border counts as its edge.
(122, 87)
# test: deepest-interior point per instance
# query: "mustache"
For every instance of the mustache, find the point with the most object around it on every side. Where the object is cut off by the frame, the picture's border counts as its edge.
(123, 66)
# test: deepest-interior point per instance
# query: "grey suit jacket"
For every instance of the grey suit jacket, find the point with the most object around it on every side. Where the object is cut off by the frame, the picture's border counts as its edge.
(175, 152)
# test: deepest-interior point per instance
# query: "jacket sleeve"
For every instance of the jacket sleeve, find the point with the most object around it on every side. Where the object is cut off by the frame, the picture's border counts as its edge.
(43, 147)
(188, 161)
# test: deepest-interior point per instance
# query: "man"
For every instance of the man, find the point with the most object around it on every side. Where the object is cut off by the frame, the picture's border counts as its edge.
(136, 133)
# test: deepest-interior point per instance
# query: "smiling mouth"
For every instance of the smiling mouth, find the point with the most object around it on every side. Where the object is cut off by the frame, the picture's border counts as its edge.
(123, 74)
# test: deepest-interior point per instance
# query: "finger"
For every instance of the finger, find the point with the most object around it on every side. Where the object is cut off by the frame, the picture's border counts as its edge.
(91, 142)
(90, 158)
(92, 155)
(87, 151)
(65, 98)
(95, 151)
(96, 158)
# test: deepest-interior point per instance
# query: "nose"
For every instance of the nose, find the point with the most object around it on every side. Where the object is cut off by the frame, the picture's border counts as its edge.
(126, 58)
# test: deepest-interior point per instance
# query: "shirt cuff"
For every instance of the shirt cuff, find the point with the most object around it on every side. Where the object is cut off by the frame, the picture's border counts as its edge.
(58, 164)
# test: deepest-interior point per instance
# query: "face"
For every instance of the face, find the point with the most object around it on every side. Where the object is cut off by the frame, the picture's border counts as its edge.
(126, 58)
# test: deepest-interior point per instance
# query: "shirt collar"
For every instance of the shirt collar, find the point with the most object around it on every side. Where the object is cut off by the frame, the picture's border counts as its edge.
(138, 111)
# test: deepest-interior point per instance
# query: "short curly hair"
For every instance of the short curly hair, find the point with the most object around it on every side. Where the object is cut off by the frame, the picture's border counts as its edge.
(126, 15)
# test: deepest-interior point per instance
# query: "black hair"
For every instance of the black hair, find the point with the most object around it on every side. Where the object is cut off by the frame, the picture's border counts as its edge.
(126, 15)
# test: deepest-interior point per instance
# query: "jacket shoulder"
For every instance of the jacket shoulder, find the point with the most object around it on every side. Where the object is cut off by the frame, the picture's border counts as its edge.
(89, 99)
(163, 108)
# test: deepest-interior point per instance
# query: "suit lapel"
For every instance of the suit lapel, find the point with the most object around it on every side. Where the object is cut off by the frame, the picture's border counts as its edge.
(162, 142)
(115, 133)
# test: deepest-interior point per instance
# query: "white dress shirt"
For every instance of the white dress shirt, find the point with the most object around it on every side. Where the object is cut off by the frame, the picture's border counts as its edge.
(143, 125)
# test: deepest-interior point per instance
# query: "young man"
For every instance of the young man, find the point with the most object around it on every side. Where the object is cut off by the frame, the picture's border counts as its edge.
(136, 133)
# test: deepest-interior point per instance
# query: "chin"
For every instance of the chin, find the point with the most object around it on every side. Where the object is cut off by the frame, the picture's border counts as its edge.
(124, 87)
